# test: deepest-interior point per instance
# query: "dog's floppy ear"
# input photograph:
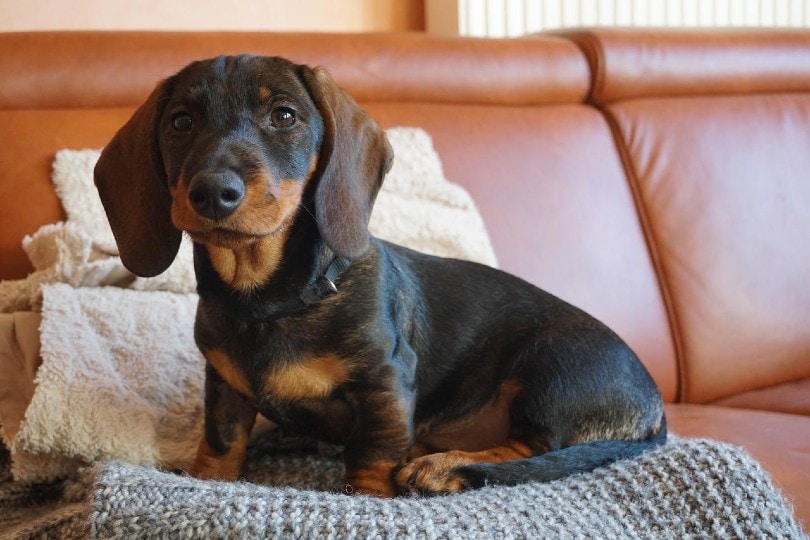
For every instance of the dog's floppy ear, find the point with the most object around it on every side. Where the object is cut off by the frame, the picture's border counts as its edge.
(131, 182)
(355, 156)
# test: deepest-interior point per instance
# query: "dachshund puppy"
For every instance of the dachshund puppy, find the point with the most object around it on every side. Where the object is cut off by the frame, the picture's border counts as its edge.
(435, 375)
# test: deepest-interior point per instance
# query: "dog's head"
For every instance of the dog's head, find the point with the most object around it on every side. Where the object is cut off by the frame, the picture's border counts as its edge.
(228, 149)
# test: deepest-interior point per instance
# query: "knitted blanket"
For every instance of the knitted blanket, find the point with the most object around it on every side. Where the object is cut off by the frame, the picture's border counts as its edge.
(688, 488)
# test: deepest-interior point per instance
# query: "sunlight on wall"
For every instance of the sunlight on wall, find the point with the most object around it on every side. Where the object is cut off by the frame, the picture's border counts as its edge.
(499, 18)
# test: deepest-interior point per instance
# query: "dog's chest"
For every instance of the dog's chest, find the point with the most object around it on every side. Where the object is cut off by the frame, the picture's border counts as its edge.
(331, 419)
(304, 393)
(313, 377)
(307, 396)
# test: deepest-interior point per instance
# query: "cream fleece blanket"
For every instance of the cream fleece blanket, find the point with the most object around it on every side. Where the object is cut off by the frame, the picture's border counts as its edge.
(121, 377)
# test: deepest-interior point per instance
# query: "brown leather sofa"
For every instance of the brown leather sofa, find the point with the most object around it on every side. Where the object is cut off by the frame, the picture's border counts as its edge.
(660, 180)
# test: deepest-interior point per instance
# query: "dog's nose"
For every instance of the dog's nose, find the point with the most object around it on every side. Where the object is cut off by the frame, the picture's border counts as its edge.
(216, 195)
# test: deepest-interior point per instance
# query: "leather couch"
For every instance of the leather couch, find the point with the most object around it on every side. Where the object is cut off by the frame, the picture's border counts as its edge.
(658, 179)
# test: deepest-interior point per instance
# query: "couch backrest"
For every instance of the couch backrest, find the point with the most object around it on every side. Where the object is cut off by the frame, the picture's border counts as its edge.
(714, 129)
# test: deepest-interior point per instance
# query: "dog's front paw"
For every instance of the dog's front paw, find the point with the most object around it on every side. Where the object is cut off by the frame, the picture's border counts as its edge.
(374, 480)
(213, 470)
(211, 466)
(434, 474)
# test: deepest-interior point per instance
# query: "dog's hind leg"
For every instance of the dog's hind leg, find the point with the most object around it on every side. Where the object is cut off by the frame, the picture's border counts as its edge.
(441, 472)
(515, 462)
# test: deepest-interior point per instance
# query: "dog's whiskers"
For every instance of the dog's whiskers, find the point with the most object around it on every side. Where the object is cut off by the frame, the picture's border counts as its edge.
(308, 211)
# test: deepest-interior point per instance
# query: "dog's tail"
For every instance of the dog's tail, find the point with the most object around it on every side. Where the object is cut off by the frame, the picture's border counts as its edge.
(557, 464)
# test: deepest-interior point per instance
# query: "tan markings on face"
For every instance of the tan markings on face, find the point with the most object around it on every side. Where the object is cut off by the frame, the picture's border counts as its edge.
(267, 204)
(315, 377)
(264, 93)
(266, 207)
(228, 371)
(209, 465)
(375, 480)
(248, 266)
(245, 248)
(313, 164)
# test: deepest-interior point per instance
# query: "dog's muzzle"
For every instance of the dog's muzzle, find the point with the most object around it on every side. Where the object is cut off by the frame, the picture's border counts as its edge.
(216, 195)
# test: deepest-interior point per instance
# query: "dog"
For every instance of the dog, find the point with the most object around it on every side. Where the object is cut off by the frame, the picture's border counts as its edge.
(435, 375)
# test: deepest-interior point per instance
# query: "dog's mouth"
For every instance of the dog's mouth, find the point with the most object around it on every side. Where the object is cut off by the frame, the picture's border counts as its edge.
(228, 238)
(257, 218)
(232, 236)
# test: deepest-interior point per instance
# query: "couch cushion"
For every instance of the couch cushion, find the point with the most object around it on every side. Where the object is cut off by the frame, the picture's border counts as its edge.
(715, 127)
(723, 182)
(28, 141)
(791, 397)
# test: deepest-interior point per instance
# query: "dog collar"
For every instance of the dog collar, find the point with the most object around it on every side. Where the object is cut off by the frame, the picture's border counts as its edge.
(323, 286)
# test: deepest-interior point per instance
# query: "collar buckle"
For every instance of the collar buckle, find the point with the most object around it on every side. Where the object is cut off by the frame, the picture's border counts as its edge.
(329, 284)
(324, 285)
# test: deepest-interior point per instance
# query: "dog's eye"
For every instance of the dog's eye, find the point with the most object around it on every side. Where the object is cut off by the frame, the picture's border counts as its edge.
(282, 117)
(182, 122)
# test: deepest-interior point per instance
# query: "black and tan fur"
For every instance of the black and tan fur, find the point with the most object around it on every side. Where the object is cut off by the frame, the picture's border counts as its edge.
(436, 375)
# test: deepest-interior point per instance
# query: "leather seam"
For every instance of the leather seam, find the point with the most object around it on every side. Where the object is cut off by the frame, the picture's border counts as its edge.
(653, 248)
(594, 55)
(598, 68)
(594, 52)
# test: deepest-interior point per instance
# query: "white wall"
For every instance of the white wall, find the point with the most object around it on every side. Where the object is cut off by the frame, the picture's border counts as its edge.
(294, 15)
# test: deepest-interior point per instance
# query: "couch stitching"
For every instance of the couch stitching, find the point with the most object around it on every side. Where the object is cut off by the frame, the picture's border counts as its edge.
(589, 43)
(653, 247)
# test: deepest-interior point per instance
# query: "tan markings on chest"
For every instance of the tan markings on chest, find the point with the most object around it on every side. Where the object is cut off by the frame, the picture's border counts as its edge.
(249, 267)
(315, 377)
(228, 371)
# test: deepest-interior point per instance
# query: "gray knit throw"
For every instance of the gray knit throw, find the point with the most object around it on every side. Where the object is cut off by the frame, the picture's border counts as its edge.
(688, 488)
